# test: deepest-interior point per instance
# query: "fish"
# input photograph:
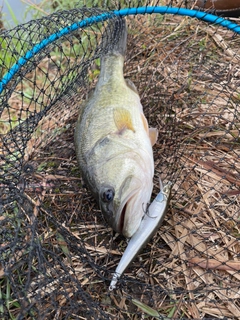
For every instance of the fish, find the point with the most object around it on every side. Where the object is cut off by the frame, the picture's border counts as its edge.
(148, 227)
(113, 143)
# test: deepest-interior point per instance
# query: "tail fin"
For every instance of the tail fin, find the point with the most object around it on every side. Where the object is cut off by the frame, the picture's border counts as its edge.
(114, 38)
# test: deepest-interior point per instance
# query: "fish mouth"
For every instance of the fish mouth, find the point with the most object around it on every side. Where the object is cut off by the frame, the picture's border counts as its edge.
(121, 214)
(120, 221)
(122, 217)
(124, 208)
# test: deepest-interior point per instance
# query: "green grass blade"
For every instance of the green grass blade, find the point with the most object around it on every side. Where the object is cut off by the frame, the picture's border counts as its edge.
(148, 310)
(14, 18)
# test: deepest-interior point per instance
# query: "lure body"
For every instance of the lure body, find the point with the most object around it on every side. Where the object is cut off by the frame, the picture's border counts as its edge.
(148, 227)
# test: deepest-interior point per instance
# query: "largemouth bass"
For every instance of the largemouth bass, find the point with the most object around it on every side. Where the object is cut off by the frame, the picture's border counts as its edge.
(114, 144)
(148, 227)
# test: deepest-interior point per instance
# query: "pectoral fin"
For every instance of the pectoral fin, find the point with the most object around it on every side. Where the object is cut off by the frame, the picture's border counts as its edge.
(123, 119)
(153, 135)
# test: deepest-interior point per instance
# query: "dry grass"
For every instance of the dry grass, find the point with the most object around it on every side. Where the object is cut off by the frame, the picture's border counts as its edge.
(188, 76)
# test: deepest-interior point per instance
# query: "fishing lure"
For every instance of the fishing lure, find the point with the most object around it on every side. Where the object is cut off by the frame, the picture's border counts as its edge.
(148, 227)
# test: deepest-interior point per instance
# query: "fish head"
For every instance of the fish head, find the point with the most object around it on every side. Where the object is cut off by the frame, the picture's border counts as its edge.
(123, 205)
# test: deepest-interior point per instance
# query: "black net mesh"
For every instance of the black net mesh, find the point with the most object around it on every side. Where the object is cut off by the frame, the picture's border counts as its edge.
(57, 253)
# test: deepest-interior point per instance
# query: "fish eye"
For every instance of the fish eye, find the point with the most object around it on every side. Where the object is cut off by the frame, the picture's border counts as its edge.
(107, 194)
